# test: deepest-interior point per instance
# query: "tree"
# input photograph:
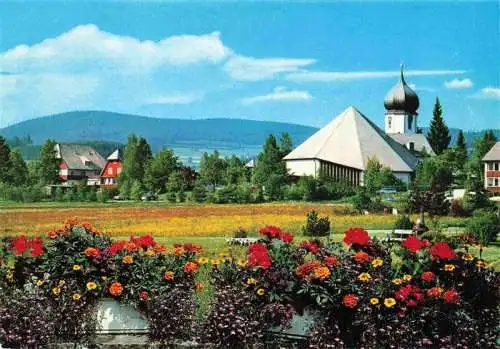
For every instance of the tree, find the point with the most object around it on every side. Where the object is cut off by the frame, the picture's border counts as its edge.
(269, 162)
(236, 170)
(199, 193)
(460, 159)
(48, 168)
(136, 191)
(5, 161)
(286, 144)
(377, 176)
(439, 135)
(136, 158)
(175, 182)
(212, 168)
(164, 163)
(433, 173)
(19, 171)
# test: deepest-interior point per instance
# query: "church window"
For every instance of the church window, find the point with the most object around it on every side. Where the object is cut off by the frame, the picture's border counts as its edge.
(389, 121)
(410, 121)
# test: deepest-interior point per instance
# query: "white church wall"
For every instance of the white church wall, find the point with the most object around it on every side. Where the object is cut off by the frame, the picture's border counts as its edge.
(303, 167)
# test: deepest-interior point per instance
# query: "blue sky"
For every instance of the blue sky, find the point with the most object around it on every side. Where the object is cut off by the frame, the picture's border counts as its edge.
(283, 61)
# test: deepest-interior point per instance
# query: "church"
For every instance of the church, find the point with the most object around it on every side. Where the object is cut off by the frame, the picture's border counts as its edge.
(342, 148)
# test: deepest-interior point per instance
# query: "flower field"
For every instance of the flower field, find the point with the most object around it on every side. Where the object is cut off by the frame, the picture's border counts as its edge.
(188, 221)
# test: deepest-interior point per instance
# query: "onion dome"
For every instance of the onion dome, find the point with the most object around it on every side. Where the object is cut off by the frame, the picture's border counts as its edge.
(402, 98)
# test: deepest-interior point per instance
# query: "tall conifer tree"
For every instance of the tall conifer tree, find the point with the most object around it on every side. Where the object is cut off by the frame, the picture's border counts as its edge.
(439, 134)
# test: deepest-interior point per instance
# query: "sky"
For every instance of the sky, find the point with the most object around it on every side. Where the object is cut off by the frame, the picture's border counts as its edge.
(298, 62)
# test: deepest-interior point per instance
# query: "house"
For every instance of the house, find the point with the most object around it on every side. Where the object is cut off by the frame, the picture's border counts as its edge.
(342, 148)
(492, 169)
(112, 170)
(79, 163)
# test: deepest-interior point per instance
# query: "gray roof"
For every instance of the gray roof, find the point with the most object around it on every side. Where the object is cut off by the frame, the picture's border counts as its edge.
(493, 154)
(351, 139)
(419, 140)
(80, 157)
(401, 97)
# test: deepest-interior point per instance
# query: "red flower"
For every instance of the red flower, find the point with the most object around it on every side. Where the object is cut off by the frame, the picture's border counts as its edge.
(191, 247)
(361, 257)
(413, 244)
(92, 252)
(428, 276)
(309, 246)
(410, 294)
(434, 292)
(144, 241)
(356, 236)
(190, 267)
(451, 296)
(259, 256)
(330, 261)
(411, 303)
(19, 245)
(144, 296)
(286, 237)
(303, 270)
(36, 246)
(116, 247)
(270, 232)
(52, 234)
(442, 250)
(350, 300)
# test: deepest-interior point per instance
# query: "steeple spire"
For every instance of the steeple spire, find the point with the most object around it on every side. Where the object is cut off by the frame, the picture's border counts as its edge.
(402, 76)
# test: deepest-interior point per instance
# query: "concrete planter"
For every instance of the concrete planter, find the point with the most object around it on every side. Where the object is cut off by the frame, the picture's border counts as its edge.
(116, 318)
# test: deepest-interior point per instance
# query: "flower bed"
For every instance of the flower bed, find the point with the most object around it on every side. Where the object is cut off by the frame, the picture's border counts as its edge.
(421, 294)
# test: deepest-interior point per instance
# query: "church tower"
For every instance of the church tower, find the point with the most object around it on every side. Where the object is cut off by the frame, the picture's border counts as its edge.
(401, 104)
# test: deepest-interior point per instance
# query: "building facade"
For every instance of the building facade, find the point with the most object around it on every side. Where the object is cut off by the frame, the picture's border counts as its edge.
(491, 163)
(112, 170)
(79, 163)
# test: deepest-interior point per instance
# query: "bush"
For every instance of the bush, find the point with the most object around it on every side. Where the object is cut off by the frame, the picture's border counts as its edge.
(136, 191)
(171, 197)
(240, 233)
(457, 209)
(199, 193)
(484, 226)
(181, 196)
(244, 193)
(316, 226)
(403, 222)
(226, 195)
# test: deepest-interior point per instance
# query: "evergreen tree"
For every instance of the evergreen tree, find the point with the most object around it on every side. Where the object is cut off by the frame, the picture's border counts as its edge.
(439, 135)
(460, 159)
(19, 171)
(199, 193)
(164, 163)
(5, 161)
(269, 162)
(48, 168)
(236, 171)
(286, 144)
(136, 191)
(136, 159)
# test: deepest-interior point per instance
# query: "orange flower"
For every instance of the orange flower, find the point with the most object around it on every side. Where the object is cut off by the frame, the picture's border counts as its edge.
(434, 292)
(199, 286)
(361, 257)
(321, 273)
(159, 248)
(169, 275)
(178, 251)
(116, 289)
(92, 252)
(190, 267)
(87, 226)
(128, 259)
(52, 234)
(130, 246)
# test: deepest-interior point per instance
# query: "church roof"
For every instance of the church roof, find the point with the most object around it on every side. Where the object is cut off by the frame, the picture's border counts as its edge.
(419, 140)
(116, 155)
(402, 98)
(350, 140)
(493, 154)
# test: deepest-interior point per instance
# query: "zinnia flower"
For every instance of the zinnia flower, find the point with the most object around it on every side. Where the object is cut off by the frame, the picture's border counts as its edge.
(364, 277)
(91, 285)
(169, 275)
(361, 257)
(61, 282)
(350, 300)
(434, 292)
(56, 290)
(270, 232)
(92, 252)
(374, 301)
(77, 267)
(330, 261)
(215, 262)
(190, 267)
(377, 262)
(407, 277)
(242, 262)
(179, 250)
(321, 273)
(202, 260)
(413, 244)
(303, 270)
(441, 250)
(52, 234)
(468, 257)
(450, 296)
(144, 296)
(309, 246)
(397, 281)
(128, 259)
(251, 281)
(39, 283)
(261, 291)
(481, 264)
(116, 289)
(76, 296)
(449, 267)
(259, 256)
(356, 236)
(389, 302)
(427, 276)
(286, 237)
(199, 286)
(150, 252)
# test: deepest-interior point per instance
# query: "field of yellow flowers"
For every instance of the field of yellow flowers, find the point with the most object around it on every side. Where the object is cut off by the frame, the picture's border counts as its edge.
(186, 220)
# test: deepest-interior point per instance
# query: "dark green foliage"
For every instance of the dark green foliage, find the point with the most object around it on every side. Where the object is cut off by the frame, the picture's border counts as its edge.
(275, 187)
(439, 135)
(240, 233)
(378, 176)
(244, 193)
(460, 156)
(213, 168)
(136, 191)
(181, 196)
(236, 172)
(18, 173)
(433, 173)
(226, 195)
(48, 168)
(136, 159)
(199, 193)
(171, 196)
(157, 173)
(175, 182)
(484, 226)
(365, 201)
(5, 161)
(403, 222)
(316, 226)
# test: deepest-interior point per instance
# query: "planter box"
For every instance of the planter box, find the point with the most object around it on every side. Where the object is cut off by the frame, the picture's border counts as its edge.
(116, 318)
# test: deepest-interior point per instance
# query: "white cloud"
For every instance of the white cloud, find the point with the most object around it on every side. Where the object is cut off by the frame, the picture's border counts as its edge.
(280, 94)
(421, 88)
(252, 69)
(457, 83)
(489, 92)
(176, 98)
(312, 76)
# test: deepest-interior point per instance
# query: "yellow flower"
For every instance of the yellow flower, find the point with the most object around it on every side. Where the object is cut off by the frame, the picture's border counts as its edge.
(389, 302)
(397, 281)
(242, 262)
(128, 259)
(261, 292)
(215, 262)
(481, 264)
(168, 275)
(56, 290)
(39, 283)
(374, 301)
(364, 277)
(10, 275)
(449, 267)
(468, 257)
(150, 252)
(251, 281)
(61, 282)
(76, 296)
(377, 262)
(104, 278)
(407, 277)
(321, 273)
(77, 267)
(224, 256)
(202, 260)
(91, 285)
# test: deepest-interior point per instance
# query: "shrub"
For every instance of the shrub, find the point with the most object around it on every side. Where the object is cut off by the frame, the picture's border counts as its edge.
(457, 209)
(403, 222)
(136, 191)
(293, 192)
(240, 233)
(181, 196)
(171, 197)
(484, 226)
(226, 195)
(316, 226)
(199, 193)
